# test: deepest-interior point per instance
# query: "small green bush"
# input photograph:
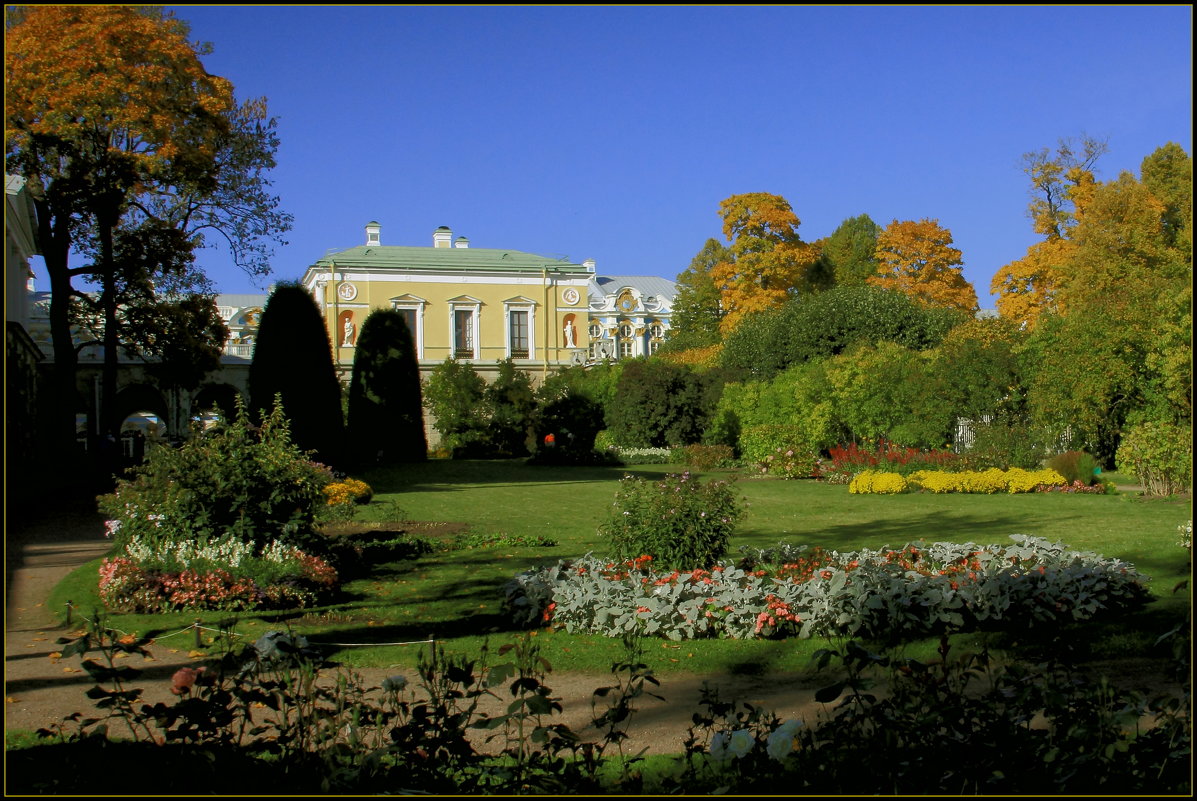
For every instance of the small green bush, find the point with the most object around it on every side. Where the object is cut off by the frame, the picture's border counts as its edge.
(234, 482)
(1160, 454)
(677, 521)
(707, 457)
(779, 450)
(1075, 466)
(1004, 445)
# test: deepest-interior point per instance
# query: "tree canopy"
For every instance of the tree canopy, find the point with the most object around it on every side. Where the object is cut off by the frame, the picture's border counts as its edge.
(769, 263)
(917, 258)
(117, 127)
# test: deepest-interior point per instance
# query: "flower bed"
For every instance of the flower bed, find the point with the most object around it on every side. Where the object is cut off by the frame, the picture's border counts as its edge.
(885, 594)
(848, 460)
(986, 481)
(186, 577)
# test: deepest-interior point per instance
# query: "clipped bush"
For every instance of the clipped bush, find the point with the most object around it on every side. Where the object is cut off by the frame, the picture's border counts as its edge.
(1160, 454)
(676, 521)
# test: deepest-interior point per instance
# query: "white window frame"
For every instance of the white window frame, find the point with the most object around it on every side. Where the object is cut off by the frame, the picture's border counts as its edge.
(474, 307)
(519, 304)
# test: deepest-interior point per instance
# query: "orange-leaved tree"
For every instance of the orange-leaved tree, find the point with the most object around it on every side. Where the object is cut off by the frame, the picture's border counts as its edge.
(1061, 183)
(769, 262)
(917, 258)
(106, 107)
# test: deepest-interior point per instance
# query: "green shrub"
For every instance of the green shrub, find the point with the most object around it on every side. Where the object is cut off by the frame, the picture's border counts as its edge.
(1075, 466)
(232, 482)
(658, 404)
(676, 521)
(779, 450)
(1006, 444)
(454, 393)
(707, 457)
(1160, 454)
(386, 410)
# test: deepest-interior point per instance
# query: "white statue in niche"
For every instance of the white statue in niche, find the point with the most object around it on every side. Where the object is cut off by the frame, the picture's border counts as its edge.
(348, 338)
(569, 334)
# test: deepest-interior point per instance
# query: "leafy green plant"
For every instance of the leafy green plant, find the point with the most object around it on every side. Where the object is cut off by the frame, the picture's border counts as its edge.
(1160, 454)
(233, 482)
(1075, 466)
(779, 450)
(677, 520)
(704, 458)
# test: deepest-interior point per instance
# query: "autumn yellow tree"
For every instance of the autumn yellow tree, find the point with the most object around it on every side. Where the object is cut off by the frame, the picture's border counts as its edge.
(1030, 286)
(769, 262)
(917, 258)
(1061, 184)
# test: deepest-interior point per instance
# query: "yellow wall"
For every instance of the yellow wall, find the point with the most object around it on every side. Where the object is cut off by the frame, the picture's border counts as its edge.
(549, 312)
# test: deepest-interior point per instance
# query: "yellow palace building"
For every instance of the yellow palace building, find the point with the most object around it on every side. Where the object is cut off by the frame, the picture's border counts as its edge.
(484, 305)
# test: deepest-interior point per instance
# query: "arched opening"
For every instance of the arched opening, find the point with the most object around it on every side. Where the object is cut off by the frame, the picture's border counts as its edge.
(214, 402)
(144, 419)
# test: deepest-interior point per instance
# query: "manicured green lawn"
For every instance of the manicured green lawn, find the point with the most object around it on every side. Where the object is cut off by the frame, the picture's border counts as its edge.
(456, 596)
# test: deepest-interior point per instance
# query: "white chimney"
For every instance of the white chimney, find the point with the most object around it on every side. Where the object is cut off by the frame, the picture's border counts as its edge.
(461, 242)
(373, 233)
(589, 265)
(442, 237)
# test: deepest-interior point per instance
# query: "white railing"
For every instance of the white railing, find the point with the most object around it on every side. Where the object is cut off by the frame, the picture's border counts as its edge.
(244, 351)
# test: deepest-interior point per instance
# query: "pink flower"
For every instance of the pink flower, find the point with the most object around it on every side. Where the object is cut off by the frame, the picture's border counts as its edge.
(184, 679)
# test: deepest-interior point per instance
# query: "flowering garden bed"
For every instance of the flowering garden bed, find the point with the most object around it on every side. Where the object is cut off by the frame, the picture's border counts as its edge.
(986, 482)
(886, 594)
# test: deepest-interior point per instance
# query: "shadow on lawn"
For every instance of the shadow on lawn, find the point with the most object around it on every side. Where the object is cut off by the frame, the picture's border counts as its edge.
(443, 475)
(982, 530)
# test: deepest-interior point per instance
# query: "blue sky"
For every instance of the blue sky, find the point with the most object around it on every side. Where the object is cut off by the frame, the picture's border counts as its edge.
(614, 132)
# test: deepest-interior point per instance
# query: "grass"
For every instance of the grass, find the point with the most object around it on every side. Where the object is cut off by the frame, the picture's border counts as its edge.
(456, 596)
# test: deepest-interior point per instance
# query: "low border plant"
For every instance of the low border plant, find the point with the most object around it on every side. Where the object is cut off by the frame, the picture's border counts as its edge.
(885, 594)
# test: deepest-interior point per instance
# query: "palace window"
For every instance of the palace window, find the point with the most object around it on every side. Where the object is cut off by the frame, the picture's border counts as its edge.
(463, 333)
(517, 327)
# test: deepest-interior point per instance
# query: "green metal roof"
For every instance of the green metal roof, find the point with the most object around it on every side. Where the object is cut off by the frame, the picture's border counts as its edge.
(397, 257)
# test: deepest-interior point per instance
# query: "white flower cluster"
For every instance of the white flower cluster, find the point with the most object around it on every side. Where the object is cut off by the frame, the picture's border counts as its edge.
(1186, 535)
(227, 551)
(726, 746)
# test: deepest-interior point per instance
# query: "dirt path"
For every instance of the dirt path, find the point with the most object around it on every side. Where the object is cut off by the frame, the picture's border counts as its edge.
(41, 690)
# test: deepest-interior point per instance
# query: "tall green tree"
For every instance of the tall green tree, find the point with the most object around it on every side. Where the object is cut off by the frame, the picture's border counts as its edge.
(386, 408)
(851, 251)
(454, 393)
(1119, 350)
(697, 307)
(293, 359)
(509, 406)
